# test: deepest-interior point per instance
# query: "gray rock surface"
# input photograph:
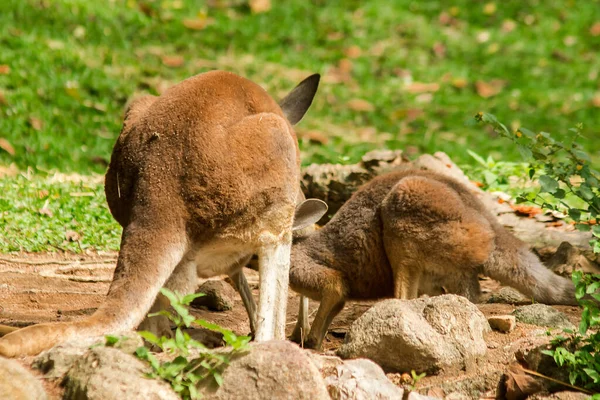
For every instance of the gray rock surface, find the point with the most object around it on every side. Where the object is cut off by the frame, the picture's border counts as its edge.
(270, 370)
(219, 296)
(56, 362)
(508, 295)
(17, 383)
(425, 334)
(105, 373)
(542, 315)
(358, 379)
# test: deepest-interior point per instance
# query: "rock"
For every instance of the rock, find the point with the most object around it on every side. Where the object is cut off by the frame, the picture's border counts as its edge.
(270, 370)
(508, 295)
(17, 383)
(425, 334)
(56, 362)
(503, 323)
(105, 373)
(568, 259)
(358, 379)
(565, 395)
(440, 162)
(542, 315)
(219, 296)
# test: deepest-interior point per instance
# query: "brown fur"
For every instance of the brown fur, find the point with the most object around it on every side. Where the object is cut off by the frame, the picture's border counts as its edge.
(200, 178)
(404, 233)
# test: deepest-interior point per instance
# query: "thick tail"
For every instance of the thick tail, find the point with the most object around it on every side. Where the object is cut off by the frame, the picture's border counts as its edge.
(146, 261)
(513, 264)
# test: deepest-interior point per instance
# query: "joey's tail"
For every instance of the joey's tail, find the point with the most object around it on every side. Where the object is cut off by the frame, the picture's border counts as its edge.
(513, 264)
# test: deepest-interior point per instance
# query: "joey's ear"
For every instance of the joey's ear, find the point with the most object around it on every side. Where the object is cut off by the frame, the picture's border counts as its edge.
(295, 104)
(308, 212)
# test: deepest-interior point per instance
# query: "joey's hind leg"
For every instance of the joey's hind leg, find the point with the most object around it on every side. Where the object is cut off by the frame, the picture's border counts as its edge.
(325, 284)
(302, 325)
(184, 280)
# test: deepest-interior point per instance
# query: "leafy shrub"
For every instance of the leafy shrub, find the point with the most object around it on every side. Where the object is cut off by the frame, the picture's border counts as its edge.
(193, 362)
(568, 184)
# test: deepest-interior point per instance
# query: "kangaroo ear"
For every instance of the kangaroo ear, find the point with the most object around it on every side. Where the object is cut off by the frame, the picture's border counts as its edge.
(308, 212)
(296, 103)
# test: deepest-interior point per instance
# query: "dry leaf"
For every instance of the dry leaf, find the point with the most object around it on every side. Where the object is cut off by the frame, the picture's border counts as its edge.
(341, 73)
(420, 87)
(197, 24)
(408, 114)
(353, 52)
(489, 8)
(4, 69)
(439, 50)
(3, 101)
(36, 123)
(489, 89)
(173, 61)
(313, 136)
(360, 105)
(43, 194)
(424, 98)
(518, 385)
(508, 25)
(7, 147)
(259, 6)
(459, 83)
(72, 236)
(596, 100)
(528, 211)
(595, 29)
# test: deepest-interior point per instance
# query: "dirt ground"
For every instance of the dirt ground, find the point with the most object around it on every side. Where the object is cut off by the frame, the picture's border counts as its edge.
(38, 288)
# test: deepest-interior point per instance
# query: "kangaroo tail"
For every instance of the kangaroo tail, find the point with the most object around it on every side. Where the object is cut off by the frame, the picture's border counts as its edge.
(513, 264)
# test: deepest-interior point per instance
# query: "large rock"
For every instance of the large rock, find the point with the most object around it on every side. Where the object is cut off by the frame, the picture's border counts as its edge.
(218, 296)
(57, 361)
(508, 295)
(542, 315)
(105, 373)
(270, 370)
(16, 383)
(359, 379)
(426, 334)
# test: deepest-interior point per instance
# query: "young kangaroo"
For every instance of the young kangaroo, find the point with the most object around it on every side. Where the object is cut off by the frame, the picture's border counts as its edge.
(200, 178)
(401, 230)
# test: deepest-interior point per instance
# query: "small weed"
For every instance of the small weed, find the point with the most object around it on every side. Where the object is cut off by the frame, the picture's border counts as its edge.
(192, 362)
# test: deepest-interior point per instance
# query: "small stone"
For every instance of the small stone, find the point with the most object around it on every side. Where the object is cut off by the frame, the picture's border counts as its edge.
(542, 315)
(219, 296)
(17, 383)
(503, 323)
(492, 345)
(508, 295)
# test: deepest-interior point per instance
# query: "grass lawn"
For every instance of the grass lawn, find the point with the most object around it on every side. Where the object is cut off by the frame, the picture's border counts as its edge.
(398, 74)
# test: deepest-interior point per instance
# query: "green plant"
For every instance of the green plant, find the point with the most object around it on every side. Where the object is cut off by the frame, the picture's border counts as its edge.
(191, 362)
(416, 378)
(567, 183)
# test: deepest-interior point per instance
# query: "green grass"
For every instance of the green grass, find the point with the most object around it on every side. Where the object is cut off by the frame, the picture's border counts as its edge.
(37, 213)
(67, 68)
(74, 63)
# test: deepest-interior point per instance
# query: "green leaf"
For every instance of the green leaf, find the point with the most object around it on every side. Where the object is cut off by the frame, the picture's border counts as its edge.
(477, 157)
(575, 214)
(582, 227)
(187, 299)
(490, 177)
(218, 378)
(559, 194)
(585, 192)
(171, 296)
(548, 184)
(527, 133)
(582, 155)
(525, 152)
(531, 173)
(150, 337)
(111, 340)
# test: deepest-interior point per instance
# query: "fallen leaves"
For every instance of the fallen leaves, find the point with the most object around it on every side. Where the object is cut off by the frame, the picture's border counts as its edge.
(45, 210)
(36, 123)
(313, 136)
(528, 211)
(7, 147)
(518, 384)
(72, 236)
(259, 6)
(595, 29)
(353, 52)
(420, 87)
(199, 23)
(360, 105)
(3, 101)
(4, 69)
(489, 89)
(173, 61)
